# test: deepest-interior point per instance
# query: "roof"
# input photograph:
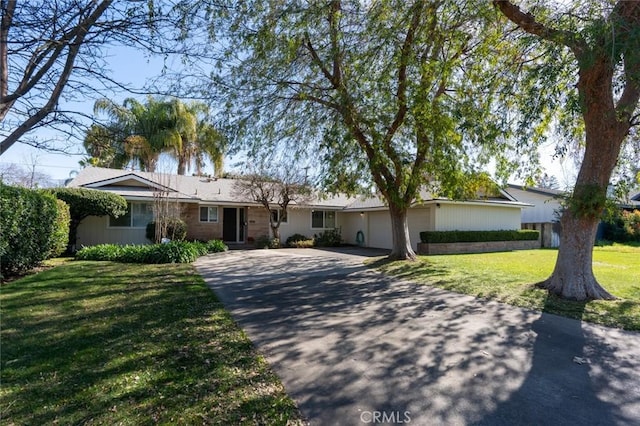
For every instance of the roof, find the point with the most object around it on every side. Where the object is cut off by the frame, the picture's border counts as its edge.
(143, 185)
(542, 191)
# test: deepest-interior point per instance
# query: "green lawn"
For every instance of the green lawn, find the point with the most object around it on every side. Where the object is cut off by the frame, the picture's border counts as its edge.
(510, 277)
(112, 343)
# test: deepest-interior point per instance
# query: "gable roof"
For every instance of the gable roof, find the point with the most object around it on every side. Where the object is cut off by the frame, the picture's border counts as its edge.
(206, 190)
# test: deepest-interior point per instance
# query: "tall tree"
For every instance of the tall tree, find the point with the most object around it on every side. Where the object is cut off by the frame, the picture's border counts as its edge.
(383, 93)
(50, 46)
(200, 139)
(603, 48)
(146, 129)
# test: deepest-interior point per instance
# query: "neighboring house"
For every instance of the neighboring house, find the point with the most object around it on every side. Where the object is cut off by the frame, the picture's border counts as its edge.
(544, 213)
(212, 210)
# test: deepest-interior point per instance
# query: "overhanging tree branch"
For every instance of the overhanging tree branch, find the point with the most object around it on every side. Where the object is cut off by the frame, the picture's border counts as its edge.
(528, 23)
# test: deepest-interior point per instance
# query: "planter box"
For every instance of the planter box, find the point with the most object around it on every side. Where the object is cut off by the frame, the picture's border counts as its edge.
(481, 247)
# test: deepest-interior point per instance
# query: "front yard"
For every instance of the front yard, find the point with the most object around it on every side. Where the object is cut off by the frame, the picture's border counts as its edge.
(510, 277)
(112, 343)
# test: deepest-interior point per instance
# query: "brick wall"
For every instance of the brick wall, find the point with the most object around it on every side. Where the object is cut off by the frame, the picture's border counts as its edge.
(483, 247)
(197, 230)
(257, 222)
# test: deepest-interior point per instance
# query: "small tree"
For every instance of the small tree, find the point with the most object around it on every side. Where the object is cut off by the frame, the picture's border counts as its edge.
(88, 202)
(274, 190)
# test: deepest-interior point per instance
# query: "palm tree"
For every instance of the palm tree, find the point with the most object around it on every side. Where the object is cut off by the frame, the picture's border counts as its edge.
(146, 130)
(200, 139)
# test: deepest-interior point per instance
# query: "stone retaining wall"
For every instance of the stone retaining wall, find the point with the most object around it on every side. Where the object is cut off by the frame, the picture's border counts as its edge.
(481, 247)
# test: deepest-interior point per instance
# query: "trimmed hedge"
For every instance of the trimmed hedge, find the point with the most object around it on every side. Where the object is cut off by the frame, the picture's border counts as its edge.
(173, 252)
(478, 236)
(60, 236)
(31, 225)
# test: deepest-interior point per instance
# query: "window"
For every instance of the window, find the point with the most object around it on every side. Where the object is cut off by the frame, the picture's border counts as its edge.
(208, 214)
(323, 219)
(276, 213)
(138, 215)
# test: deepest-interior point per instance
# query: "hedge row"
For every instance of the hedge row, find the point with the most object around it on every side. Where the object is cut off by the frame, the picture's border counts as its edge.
(477, 236)
(33, 227)
(173, 252)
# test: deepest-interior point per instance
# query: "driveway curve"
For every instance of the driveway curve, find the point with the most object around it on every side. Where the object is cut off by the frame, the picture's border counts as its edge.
(355, 347)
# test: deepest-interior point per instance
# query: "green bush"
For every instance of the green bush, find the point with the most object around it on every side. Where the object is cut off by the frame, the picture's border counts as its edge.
(329, 238)
(622, 226)
(176, 230)
(216, 246)
(60, 236)
(173, 252)
(88, 202)
(264, 241)
(28, 228)
(295, 238)
(477, 236)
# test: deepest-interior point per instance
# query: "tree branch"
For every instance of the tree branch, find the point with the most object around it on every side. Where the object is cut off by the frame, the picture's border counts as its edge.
(528, 23)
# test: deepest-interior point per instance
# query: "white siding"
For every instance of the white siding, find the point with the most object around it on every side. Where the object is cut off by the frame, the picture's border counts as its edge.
(299, 222)
(465, 217)
(351, 223)
(94, 230)
(544, 207)
(419, 220)
(379, 230)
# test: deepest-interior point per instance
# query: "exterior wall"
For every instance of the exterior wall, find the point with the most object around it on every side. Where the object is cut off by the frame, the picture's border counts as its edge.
(197, 230)
(258, 223)
(376, 226)
(95, 230)
(299, 222)
(544, 206)
(464, 217)
(352, 222)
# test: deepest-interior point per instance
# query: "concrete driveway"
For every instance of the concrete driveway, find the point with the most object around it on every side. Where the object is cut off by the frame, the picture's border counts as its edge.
(354, 347)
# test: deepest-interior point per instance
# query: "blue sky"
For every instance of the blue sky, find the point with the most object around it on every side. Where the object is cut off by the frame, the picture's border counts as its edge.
(128, 66)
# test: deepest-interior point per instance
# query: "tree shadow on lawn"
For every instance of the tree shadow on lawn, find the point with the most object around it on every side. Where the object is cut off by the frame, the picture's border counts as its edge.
(348, 340)
(120, 347)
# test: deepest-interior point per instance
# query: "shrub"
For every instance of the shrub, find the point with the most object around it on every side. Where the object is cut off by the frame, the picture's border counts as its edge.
(329, 238)
(310, 243)
(173, 252)
(176, 230)
(88, 202)
(28, 228)
(216, 246)
(264, 241)
(60, 236)
(477, 236)
(622, 226)
(295, 238)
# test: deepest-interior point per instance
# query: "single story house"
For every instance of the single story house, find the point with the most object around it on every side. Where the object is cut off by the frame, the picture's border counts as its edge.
(544, 216)
(212, 209)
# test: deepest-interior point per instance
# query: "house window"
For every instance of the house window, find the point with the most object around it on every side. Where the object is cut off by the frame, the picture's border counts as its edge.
(208, 214)
(323, 219)
(138, 215)
(277, 213)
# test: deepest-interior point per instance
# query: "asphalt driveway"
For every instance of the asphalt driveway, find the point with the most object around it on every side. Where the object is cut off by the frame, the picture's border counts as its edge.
(354, 347)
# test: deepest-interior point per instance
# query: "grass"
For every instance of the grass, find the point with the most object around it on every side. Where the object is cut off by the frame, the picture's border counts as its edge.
(113, 343)
(510, 277)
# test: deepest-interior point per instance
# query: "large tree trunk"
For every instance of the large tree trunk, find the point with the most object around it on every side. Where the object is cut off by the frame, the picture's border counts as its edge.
(573, 276)
(400, 232)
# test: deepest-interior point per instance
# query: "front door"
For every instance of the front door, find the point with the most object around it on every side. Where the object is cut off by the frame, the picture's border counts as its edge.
(230, 224)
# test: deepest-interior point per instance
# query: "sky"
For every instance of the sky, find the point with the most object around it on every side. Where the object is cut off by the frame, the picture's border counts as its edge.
(128, 66)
